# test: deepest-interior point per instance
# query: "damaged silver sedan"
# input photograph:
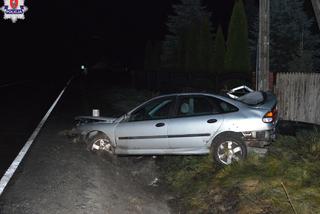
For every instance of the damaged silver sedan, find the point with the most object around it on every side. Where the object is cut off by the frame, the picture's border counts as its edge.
(187, 124)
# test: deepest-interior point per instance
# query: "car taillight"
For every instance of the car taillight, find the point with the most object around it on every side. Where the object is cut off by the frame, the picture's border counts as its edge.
(270, 116)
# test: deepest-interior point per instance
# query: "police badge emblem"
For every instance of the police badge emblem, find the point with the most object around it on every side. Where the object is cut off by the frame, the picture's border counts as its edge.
(14, 9)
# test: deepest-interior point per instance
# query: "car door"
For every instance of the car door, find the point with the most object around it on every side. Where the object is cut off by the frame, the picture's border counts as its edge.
(196, 119)
(146, 128)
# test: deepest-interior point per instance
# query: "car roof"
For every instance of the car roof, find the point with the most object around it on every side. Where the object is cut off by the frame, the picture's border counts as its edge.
(225, 98)
(186, 94)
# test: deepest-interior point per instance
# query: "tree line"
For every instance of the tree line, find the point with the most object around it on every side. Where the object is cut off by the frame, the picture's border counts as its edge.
(192, 46)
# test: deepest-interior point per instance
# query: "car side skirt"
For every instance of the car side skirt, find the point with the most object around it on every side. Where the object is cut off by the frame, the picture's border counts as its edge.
(183, 151)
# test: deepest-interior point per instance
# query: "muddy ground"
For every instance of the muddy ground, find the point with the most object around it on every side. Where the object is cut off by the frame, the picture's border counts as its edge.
(58, 176)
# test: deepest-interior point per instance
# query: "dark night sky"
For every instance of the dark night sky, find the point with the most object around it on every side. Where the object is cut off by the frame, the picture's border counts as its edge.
(56, 37)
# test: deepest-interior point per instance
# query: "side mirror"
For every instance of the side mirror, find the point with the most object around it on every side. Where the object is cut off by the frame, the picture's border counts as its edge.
(126, 117)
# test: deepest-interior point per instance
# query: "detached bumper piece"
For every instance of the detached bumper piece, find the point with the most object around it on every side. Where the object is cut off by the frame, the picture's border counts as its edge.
(259, 139)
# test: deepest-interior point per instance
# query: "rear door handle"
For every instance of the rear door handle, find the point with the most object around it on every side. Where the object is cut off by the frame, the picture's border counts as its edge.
(160, 124)
(211, 121)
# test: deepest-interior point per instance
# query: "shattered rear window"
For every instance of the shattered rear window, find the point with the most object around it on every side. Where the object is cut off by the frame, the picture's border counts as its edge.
(253, 98)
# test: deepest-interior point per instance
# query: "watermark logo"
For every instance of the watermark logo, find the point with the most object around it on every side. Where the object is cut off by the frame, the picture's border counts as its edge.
(14, 9)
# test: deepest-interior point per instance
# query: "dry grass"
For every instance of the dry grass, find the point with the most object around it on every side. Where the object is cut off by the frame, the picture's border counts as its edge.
(251, 186)
(254, 185)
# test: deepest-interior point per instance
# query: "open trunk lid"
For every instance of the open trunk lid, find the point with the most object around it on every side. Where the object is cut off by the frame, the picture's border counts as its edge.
(259, 99)
(256, 99)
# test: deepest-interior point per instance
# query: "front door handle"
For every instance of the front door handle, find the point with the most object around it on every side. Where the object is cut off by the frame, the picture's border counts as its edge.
(212, 121)
(160, 124)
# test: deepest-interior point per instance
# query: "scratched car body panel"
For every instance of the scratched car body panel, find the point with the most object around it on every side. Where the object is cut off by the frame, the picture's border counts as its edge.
(188, 123)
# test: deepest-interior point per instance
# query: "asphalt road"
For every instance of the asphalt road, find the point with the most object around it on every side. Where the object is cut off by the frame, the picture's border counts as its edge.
(59, 176)
(22, 105)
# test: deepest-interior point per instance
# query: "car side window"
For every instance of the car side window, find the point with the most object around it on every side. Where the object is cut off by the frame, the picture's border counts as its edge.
(156, 109)
(197, 105)
(226, 107)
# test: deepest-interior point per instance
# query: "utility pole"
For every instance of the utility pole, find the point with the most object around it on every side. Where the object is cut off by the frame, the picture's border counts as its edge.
(316, 8)
(262, 74)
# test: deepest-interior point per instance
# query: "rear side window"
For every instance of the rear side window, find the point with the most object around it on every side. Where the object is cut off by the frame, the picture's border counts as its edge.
(227, 107)
(204, 106)
(222, 106)
(197, 105)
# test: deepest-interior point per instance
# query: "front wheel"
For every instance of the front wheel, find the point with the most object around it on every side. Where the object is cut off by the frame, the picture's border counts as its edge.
(100, 143)
(226, 151)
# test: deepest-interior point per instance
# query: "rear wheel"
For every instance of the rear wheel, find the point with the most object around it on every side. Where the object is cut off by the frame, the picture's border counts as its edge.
(227, 150)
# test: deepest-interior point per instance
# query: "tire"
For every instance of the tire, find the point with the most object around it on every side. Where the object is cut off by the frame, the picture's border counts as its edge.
(100, 143)
(228, 149)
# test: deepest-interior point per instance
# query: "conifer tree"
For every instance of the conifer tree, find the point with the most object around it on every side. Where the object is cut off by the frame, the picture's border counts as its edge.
(148, 56)
(219, 51)
(237, 56)
(156, 55)
(252, 12)
(206, 47)
(293, 45)
(152, 56)
(189, 45)
(291, 39)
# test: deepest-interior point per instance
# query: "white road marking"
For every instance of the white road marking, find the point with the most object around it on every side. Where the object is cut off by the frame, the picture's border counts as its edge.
(13, 167)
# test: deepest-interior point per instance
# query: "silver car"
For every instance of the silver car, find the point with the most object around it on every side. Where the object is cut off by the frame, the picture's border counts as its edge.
(186, 124)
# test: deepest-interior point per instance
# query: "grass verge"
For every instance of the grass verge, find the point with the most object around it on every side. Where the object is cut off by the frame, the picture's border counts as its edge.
(285, 181)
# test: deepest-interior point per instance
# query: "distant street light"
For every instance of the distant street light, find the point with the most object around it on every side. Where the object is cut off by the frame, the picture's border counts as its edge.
(84, 69)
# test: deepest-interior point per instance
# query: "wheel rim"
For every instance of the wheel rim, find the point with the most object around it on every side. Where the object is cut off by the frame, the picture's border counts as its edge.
(101, 144)
(229, 152)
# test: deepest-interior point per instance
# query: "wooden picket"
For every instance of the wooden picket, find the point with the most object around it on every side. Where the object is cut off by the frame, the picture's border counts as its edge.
(299, 96)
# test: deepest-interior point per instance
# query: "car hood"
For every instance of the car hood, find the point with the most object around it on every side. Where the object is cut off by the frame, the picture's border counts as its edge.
(91, 119)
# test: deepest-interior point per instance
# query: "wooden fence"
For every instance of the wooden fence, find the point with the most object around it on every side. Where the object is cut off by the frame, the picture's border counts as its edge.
(299, 96)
